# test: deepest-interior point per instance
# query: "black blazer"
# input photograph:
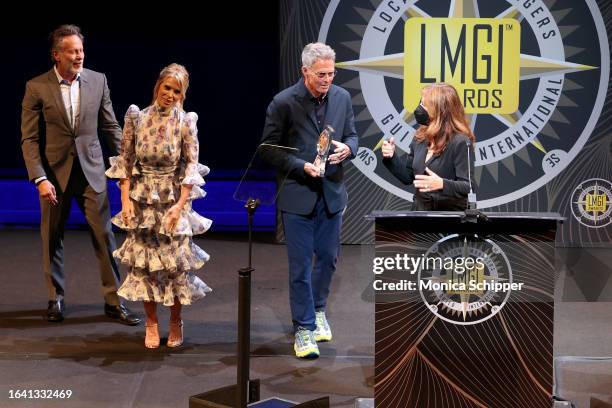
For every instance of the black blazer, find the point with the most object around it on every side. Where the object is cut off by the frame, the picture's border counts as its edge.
(291, 121)
(451, 165)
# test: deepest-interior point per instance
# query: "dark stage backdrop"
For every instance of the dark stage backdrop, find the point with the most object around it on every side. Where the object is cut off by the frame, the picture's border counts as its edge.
(536, 87)
(232, 57)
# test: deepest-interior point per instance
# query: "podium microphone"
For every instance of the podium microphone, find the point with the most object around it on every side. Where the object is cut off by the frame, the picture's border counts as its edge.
(471, 195)
(472, 214)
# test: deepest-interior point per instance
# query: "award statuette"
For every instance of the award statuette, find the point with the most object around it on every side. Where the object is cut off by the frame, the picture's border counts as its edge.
(323, 146)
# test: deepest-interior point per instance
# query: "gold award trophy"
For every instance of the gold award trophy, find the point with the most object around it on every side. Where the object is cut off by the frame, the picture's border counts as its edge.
(323, 146)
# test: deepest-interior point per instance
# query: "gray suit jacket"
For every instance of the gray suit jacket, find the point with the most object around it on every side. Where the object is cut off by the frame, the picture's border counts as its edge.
(291, 121)
(49, 143)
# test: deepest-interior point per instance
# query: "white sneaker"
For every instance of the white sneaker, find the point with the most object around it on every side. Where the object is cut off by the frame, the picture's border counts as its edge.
(305, 345)
(323, 331)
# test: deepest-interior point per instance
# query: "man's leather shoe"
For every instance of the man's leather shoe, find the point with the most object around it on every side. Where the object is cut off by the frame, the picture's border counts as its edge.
(55, 310)
(121, 313)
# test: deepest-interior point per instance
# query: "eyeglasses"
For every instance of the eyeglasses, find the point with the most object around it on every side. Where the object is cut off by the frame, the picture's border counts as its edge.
(322, 75)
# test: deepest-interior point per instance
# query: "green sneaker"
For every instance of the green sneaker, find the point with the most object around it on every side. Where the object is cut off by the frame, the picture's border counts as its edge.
(323, 331)
(305, 345)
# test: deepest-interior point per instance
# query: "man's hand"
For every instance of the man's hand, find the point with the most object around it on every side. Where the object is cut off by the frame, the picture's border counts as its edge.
(341, 152)
(47, 191)
(311, 170)
(388, 148)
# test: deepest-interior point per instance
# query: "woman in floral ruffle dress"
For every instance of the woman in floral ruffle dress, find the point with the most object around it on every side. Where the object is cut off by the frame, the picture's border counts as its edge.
(159, 177)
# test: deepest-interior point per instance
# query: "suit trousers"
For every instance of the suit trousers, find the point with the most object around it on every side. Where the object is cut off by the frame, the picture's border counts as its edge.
(96, 209)
(313, 244)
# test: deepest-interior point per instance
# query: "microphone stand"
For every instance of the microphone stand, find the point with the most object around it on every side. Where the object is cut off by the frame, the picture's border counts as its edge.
(472, 214)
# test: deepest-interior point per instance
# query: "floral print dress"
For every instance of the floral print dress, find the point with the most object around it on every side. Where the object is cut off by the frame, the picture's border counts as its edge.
(159, 153)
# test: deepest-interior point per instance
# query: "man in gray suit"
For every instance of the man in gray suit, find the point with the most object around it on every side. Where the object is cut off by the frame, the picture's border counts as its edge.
(62, 112)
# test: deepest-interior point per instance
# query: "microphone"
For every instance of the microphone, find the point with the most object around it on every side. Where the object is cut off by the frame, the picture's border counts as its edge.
(471, 214)
(471, 196)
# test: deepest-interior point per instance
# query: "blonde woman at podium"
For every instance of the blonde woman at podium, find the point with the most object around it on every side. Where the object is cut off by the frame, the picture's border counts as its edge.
(440, 160)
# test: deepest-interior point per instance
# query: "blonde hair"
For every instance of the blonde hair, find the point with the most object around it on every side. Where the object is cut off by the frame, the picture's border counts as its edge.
(446, 117)
(177, 72)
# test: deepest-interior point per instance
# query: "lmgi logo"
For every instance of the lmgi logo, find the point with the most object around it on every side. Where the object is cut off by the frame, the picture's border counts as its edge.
(596, 203)
(479, 56)
(590, 203)
(470, 295)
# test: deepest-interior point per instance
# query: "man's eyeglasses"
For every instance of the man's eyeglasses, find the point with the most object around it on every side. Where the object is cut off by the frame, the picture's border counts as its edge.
(322, 75)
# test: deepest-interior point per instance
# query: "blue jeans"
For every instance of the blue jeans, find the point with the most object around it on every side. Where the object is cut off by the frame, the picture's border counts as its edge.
(314, 235)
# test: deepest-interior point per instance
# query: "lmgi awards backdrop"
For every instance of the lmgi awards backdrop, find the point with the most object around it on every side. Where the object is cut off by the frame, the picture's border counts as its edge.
(534, 79)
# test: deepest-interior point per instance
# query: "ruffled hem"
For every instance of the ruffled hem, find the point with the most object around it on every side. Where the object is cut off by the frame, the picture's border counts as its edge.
(194, 174)
(181, 255)
(118, 168)
(141, 287)
(196, 192)
(190, 223)
(153, 189)
(161, 189)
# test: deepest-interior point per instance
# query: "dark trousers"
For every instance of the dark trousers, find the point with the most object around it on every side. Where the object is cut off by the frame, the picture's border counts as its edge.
(97, 213)
(314, 235)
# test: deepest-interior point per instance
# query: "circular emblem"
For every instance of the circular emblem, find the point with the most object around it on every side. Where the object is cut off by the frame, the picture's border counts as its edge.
(466, 279)
(591, 203)
(523, 77)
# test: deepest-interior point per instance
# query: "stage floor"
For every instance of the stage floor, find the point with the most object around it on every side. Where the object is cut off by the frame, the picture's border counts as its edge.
(105, 364)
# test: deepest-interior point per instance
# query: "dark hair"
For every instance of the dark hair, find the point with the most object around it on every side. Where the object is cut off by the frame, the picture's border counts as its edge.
(447, 117)
(65, 30)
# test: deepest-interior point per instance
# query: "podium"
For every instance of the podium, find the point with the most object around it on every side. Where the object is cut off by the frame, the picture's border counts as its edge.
(464, 309)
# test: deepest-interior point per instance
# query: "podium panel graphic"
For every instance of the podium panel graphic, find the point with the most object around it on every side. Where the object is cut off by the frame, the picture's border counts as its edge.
(464, 309)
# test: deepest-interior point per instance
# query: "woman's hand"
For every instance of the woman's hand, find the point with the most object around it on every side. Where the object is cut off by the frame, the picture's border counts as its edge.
(428, 183)
(388, 148)
(172, 217)
(127, 211)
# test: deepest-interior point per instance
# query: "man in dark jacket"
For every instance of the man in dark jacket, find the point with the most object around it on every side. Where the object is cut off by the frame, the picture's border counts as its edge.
(311, 205)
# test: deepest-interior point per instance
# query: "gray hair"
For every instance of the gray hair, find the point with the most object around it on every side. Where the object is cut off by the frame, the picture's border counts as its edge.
(316, 51)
